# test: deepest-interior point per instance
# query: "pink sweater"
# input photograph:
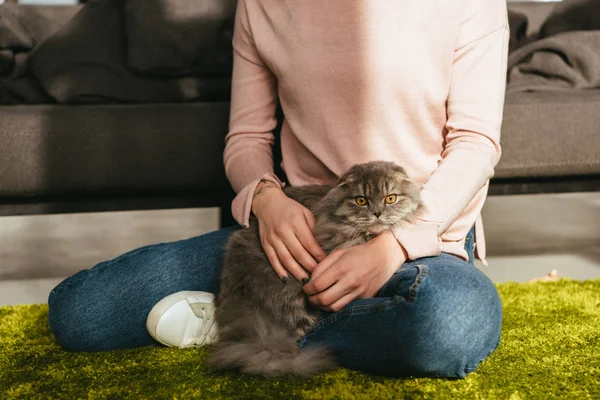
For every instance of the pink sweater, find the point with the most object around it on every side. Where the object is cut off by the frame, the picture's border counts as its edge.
(420, 83)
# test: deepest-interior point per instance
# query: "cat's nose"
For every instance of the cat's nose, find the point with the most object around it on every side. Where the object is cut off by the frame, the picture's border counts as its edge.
(377, 214)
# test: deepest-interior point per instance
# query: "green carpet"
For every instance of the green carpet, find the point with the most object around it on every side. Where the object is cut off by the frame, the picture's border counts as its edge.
(550, 349)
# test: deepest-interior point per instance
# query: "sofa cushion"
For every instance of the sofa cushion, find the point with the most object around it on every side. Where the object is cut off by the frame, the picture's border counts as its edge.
(180, 37)
(572, 15)
(86, 62)
(58, 149)
(54, 149)
(549, 133)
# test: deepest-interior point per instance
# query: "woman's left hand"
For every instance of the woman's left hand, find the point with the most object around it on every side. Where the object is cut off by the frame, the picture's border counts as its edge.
(354, 272)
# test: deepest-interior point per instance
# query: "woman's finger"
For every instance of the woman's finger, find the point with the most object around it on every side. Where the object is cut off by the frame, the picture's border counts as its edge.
(330, 296)
(326, 264)
(289, 263)
(309, 242)
(275, 263)
(300, 254)
(343, 302)
(322, 281)
(310, 218)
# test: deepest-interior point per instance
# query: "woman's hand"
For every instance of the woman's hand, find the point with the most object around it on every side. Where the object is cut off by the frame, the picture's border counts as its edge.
(286, 233)
(355, 272)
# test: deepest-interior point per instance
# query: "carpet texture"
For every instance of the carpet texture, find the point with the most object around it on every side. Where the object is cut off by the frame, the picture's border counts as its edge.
(550, 348)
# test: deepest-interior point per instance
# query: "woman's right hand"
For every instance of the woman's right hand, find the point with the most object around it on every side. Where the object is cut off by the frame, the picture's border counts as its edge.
(286, 234)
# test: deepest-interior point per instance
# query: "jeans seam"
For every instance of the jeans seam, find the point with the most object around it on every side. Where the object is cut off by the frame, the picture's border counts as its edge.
(126, 256)
(414, 288)
(61, 287)
(349, 312)
(331, 318)
(369, 307)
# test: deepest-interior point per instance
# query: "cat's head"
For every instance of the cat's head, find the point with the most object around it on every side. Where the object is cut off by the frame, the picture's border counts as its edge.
(376, 196)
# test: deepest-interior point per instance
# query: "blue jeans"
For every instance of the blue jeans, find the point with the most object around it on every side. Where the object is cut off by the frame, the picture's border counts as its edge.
(437, 316)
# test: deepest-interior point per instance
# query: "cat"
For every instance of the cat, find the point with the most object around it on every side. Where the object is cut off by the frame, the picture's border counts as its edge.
(259, 319)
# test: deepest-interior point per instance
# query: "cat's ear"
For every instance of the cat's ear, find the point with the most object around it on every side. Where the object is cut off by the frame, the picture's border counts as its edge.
(345, 180)
(399, 169)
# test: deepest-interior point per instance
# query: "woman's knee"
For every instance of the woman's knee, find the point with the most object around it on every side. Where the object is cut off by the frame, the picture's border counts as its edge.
(85, 314)
(105, 308)
(66, 315)
(458, 327)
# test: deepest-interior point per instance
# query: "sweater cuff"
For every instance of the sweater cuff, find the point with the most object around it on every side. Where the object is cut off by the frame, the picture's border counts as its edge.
(420, 240)
(241, 207)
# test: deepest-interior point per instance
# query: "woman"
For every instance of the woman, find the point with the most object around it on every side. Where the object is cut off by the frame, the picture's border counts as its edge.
(418, 83)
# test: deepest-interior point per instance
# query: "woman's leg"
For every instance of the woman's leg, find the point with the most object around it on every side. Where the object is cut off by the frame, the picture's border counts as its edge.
(437, 316)
(106, 307)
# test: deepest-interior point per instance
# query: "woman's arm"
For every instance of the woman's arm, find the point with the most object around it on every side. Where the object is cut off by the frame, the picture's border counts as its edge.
(475, 109)
(285, 226)
(475, 106)
(248, 154)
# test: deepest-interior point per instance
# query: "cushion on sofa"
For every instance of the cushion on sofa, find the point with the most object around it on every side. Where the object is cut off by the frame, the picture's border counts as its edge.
(179, 37)
(86, 62)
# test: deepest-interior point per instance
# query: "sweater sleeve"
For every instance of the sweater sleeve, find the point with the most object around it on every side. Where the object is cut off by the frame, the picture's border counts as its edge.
(248, 155)
(472, 144)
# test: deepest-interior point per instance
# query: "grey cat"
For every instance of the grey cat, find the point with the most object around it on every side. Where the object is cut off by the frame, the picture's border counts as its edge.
(260, 319)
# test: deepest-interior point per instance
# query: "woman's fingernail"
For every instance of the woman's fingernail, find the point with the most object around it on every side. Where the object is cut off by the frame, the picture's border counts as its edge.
(305, 280)
(284, 279)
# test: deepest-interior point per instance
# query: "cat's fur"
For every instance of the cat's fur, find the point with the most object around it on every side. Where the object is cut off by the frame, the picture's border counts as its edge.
(260, 319)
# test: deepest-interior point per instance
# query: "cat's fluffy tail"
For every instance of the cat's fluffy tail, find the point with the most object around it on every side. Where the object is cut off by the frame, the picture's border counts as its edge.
(269, 351)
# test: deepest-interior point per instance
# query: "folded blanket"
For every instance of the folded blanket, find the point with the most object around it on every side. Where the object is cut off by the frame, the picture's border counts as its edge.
(21, 28)
(566, 61)
(23, 90)
(86, 62)
(565, 54)
(572, 15)
(518, 24)
(180, 37)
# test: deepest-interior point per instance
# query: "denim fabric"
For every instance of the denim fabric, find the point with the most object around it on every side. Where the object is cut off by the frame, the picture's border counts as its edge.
(437, 316)
(105, 307)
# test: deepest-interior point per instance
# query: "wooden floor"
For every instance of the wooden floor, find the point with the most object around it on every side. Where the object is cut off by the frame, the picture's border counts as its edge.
(528, 236)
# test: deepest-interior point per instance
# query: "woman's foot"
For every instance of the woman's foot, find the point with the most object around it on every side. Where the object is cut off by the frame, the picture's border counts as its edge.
(183, 319)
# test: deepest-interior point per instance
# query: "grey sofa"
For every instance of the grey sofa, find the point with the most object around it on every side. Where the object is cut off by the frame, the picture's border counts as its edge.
(57, 158)
(551, 138)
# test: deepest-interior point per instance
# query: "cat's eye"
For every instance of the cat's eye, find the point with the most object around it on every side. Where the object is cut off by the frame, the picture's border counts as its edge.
(361, 201)
(391, 199)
